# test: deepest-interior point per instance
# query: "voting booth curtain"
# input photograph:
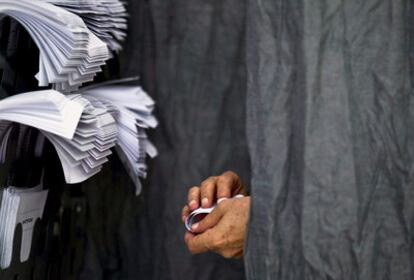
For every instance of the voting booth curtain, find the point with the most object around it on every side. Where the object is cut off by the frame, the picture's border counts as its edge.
(330, 125)
(323, 107)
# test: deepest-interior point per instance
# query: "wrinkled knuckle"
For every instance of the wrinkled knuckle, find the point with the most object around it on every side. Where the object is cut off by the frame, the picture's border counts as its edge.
(229, 173)
(210, 179)
(224, 180)
(232, 175)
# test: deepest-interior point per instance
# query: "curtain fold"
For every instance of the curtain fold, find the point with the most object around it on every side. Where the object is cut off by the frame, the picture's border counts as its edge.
(330, 116)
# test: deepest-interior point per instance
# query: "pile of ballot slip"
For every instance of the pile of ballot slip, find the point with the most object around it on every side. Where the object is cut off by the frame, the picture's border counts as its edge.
(107, 19)
(134, 110)
(83, 155)
(19, 206)
(73, 37)
(83, 127)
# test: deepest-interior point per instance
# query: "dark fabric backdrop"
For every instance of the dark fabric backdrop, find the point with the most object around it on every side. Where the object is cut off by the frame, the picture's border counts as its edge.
(330, 120)
(191, 58)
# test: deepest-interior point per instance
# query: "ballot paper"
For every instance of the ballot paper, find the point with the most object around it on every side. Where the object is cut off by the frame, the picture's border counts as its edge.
(133, 115)
(83, 156)
(196, 216)
(200, 213)
(19, 206)
(83, 127)
(107, 19)
(70, 53)
(82, 132)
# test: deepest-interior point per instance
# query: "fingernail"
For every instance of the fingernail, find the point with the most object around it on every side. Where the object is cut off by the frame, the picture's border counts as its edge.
(221, 200)
(193, 204)
(204, 202)
(195, 226)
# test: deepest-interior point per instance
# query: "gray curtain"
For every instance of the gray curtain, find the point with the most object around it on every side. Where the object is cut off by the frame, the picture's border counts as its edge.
(330, 125)
(329, 110)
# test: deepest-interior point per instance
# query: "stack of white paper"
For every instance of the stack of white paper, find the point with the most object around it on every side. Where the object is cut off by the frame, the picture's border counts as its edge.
(81, 132)
(107, 19)
(84, 127)
(19, 206)
(70, 54)
(134, 115)
(83, 155)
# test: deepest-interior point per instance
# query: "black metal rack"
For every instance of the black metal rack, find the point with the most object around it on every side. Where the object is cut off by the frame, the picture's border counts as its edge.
(59, 237)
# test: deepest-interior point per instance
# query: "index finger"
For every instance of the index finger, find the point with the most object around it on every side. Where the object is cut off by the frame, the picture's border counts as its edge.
(184, 213)
(208, 189)
(193, 199)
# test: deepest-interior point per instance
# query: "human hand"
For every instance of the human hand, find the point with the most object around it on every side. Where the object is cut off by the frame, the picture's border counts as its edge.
(222, 231)
(213, 189)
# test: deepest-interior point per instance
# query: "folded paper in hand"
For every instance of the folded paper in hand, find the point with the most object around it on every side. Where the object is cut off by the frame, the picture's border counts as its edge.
(200, 213)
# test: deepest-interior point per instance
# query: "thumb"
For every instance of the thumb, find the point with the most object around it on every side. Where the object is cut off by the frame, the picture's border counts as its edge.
(209, 221)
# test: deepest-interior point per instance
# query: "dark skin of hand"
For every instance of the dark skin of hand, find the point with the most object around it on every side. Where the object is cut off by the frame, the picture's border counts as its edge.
(224, 230)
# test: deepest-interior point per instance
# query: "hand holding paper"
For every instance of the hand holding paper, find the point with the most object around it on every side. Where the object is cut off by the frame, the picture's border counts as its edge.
(220, 224)
(223, 231)
(213, 190)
